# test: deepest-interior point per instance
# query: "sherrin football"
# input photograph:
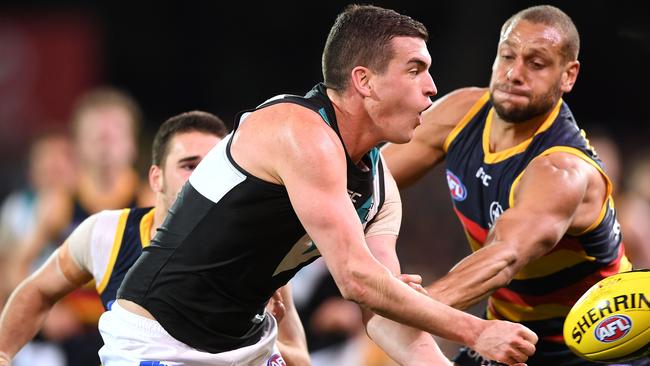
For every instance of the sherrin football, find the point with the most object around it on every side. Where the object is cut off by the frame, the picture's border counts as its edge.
(611, 321)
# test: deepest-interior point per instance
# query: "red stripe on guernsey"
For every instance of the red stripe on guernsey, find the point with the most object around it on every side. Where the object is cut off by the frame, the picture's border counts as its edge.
(473, 229)
(568, 243)
(555, 338)
(566, 295)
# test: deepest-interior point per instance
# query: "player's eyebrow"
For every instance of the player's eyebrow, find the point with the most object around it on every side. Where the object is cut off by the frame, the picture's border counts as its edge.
(188, 158)
(418, 62)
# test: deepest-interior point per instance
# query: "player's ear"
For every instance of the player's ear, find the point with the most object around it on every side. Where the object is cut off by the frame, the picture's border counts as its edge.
(156, 178)
(569, 76)
(360, 80)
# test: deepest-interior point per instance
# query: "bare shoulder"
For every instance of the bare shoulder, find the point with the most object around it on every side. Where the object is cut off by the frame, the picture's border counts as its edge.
(573, 183)
(564, 163)
(559, 165)
(299, 129)
(451, 108)
(564, 176)
(283, 136)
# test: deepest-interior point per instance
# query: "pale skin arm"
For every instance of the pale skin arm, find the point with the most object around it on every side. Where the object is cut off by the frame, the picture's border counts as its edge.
(405, 345)
(291, 335)
(541, 215)
(316, 190)
(32, 300)
(409, 162)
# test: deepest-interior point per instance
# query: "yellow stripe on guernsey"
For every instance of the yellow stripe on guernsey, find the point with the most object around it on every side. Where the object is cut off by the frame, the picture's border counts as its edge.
(521, 313)
(465, 120)
(474, 244)
(117, 242)
(551, 262)
(145, 227)
(562, 258)
(492, 158)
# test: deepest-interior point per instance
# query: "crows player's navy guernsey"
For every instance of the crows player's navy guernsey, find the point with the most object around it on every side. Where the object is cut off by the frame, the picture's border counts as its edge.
(130, 236)
(230, 240)
(481, 184)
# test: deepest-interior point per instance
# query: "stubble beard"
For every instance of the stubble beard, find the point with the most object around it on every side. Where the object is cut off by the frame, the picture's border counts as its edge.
(538, 106)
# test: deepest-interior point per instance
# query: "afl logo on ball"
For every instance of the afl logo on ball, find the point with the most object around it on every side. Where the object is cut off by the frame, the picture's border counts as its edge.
(613, 328)
(456, 187)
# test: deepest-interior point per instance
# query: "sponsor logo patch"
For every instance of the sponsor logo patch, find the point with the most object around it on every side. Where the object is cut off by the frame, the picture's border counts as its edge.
(456, 187)
(276, 360)
(495, 211)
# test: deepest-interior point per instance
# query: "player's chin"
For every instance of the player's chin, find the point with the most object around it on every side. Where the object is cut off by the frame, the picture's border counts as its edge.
(403, 137)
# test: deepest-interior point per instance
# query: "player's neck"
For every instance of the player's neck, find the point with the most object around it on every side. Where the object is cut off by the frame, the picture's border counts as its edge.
(354, 125)
(159, 214)
(504, 135)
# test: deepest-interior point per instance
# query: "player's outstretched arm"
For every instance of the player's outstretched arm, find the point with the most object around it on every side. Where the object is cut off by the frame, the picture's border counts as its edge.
(31, 301)
(311, 164)
(406, 345)
(549, 200)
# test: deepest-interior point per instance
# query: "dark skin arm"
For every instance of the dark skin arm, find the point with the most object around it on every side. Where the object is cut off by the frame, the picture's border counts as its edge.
(569, 201)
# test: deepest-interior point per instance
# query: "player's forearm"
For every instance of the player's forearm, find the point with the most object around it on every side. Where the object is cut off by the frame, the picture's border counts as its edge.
(387, 296)
(291, 339)
(476, 277)
(5, 359)
(293, 354)
(405, 345)
(22, 317)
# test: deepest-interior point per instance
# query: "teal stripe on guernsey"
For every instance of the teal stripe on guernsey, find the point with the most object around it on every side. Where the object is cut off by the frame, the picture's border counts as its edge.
(374, 156)
(364, 209)
(311, 248)
(324, 115)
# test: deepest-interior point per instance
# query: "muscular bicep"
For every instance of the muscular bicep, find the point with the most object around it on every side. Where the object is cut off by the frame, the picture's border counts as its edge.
(313, 169)
(545, 203)
(58, 276)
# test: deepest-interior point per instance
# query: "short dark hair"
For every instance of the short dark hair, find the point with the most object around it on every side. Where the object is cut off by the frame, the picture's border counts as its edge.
(106, 96)
(361, 36)
(553, 17)
(184, 122)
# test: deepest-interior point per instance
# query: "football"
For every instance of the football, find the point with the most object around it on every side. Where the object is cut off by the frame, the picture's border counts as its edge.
(611, 321)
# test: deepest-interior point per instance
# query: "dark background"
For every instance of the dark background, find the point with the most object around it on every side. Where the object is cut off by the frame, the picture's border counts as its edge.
(178, 56)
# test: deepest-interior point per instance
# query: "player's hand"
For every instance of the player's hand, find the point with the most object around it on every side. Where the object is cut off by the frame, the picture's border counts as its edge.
(414, 281)
(505, 342)
(275, 306)
(5, 360)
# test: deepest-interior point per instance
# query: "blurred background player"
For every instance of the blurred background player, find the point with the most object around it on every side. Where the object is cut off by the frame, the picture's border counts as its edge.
(106, 244)
(51, 175)
(105, 123)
